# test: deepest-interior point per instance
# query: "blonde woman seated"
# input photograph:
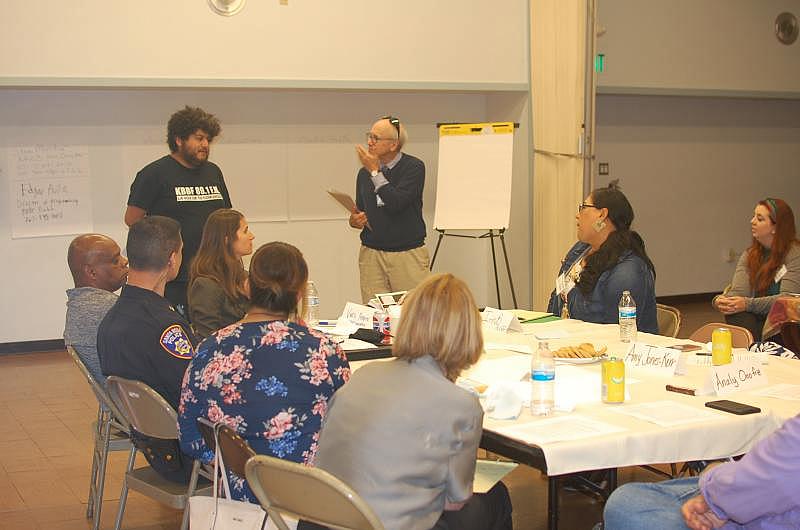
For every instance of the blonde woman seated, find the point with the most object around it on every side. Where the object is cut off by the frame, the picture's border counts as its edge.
(403, 435)
(770, 266)
(217, 279)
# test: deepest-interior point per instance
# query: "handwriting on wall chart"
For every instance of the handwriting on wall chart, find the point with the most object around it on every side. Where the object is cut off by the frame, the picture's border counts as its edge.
(50, 190)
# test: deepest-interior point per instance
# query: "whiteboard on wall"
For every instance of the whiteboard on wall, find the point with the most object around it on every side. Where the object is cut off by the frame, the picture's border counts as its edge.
(50, 192)
(473, 188)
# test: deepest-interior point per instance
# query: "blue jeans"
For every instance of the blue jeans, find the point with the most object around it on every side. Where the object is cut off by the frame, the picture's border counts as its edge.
(654, 506)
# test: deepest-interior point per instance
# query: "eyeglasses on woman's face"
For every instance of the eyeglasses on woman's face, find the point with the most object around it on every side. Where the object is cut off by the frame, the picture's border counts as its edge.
(582, 206)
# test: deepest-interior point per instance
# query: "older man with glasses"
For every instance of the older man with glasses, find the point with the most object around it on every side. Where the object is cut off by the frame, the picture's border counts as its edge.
(389, 189)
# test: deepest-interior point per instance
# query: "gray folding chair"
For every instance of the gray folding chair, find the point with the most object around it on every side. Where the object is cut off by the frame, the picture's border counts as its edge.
(110, 434)
(284, 487)
(149, 414)
(234, 449)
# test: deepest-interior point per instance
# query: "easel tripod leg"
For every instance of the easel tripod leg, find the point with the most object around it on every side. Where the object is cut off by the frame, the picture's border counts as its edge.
(494, 264)
(508, 270)
(435, 252)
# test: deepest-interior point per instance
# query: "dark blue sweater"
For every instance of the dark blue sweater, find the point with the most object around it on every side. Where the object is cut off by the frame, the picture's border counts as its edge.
(398, 224)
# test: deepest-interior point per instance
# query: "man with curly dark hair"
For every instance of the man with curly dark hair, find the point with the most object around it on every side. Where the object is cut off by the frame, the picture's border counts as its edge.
(184, 186)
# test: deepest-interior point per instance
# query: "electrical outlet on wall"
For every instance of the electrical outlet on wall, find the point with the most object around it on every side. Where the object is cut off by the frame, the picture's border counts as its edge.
(602, 168)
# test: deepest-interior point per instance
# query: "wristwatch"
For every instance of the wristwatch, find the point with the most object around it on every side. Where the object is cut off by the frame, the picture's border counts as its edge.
(374, 173)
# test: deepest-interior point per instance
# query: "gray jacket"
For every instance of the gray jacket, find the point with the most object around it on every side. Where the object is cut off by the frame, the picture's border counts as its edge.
(405, 438)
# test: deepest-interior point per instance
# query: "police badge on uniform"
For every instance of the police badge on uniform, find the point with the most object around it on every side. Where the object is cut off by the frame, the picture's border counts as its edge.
(176, 342)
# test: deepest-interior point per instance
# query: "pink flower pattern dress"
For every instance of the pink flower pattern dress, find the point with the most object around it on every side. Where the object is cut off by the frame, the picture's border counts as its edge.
(271, 382)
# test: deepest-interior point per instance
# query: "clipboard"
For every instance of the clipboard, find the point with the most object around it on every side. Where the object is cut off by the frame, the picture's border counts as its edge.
(347, 201)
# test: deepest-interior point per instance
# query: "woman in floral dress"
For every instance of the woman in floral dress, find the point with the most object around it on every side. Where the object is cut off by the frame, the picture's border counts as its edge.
(268, 376)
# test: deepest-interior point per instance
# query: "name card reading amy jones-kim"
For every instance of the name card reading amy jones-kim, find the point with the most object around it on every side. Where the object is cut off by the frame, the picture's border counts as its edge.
(735, 377)
(500, 320)
(653, 358)
(357, 314)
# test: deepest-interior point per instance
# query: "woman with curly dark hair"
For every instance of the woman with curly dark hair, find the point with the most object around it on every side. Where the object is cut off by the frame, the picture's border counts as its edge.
(770, 266)
(608, 258)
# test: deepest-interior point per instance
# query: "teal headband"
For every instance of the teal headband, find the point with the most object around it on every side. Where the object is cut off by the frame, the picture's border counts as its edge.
(773, 209)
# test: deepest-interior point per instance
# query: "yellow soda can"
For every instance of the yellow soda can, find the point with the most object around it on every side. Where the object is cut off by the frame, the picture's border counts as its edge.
(721, 346)
(613, 381)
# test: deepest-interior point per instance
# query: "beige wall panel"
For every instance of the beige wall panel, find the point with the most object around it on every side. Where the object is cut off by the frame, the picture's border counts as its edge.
(557, 86)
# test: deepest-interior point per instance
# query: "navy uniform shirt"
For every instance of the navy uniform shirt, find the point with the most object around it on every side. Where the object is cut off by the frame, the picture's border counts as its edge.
(143, 338)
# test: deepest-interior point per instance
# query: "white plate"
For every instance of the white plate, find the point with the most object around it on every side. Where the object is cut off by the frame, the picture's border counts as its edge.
(580, 360)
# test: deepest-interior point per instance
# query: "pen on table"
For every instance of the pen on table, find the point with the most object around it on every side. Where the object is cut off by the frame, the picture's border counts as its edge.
(326, 323)
(681, 390)
(706, 353)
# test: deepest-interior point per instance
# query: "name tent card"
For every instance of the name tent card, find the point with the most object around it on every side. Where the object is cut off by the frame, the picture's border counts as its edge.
(358, 315)
(499, 320)
(736, 377)
(653, 358)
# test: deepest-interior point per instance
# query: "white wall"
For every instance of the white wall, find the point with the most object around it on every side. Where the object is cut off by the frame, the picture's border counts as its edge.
(157, 42)
(696, 46)
(424, 61)
(694, 168)
(294, 143)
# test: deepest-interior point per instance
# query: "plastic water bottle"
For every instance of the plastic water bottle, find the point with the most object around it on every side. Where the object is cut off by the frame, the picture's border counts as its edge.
(543, 381)
(627, 317)
(312, 304)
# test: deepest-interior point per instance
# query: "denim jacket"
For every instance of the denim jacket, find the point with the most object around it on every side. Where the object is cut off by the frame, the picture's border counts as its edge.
(630, 274)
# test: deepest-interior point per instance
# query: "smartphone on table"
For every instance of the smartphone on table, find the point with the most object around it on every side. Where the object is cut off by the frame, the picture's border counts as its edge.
(733, 407)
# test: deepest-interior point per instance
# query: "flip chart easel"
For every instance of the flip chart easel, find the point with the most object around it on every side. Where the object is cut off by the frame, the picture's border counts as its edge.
(474, 186)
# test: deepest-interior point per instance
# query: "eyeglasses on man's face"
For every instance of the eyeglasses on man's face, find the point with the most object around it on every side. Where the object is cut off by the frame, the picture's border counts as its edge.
(375, 138)
(582, 206)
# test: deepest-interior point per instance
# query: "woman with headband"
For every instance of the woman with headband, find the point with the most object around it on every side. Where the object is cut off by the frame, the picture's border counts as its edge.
(770, 266)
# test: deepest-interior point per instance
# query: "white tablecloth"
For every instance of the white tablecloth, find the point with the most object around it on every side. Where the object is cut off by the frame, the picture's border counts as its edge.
(640, 441)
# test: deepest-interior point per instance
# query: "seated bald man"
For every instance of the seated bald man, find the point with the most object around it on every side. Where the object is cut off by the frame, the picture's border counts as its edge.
(98, 269)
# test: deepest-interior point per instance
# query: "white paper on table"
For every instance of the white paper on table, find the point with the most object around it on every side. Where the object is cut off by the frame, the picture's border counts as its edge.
(666, 413)
(705, 360)
(547, 334)
(576, 385)
(521, 348)
(342, 329)
(488, 473)
(506, 369)
(560, 429)
(355, 344)
(785, 391)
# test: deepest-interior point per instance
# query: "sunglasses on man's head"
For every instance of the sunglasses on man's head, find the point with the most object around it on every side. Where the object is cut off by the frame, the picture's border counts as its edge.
(394, 121)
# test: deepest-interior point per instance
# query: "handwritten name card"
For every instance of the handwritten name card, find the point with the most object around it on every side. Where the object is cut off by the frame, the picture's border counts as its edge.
(653, 358)
(358, 315)
(499, 320)
(736, 377)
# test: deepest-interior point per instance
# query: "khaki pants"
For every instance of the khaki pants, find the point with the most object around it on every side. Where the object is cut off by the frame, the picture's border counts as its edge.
(386, 272)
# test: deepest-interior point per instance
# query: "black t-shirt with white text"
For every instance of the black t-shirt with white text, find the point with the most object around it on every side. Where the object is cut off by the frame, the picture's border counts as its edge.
(188, 195)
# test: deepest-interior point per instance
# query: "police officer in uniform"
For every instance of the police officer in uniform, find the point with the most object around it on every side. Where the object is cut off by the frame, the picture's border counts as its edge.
(143, 338)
